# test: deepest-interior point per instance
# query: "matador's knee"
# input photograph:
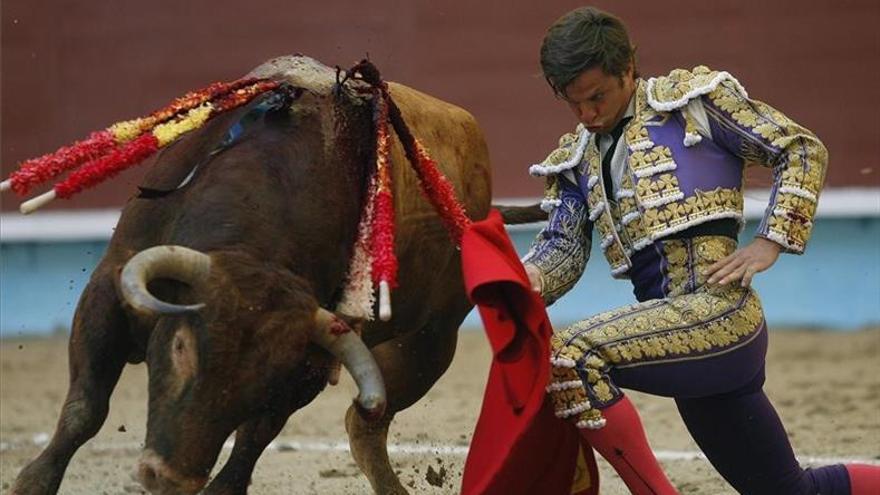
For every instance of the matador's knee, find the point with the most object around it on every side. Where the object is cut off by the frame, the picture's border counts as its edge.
(580, 386)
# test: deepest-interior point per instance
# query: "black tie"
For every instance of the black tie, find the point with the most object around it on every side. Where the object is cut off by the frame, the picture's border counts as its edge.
(606, 160)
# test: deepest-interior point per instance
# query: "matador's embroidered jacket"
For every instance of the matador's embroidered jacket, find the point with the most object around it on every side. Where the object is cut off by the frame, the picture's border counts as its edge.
(675, 179)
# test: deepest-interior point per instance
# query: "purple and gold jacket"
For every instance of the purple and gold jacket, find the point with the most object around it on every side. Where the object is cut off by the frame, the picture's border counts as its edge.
(674, 178)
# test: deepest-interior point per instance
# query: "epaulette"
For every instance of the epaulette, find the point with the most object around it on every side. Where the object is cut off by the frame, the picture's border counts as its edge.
(565, 157)
(675, 91)
(667, 93)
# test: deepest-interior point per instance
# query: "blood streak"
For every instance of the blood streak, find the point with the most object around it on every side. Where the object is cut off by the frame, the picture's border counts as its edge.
(339, 327)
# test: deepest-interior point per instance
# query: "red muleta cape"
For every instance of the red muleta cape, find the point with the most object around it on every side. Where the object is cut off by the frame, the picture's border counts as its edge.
(519, 446)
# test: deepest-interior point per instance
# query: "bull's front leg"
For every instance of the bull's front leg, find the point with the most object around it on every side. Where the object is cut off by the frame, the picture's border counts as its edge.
(251, 438)
(368, 443)
(97, 350)
(410, 364)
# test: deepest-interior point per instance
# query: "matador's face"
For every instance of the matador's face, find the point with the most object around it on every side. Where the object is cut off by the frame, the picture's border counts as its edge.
(599, 100)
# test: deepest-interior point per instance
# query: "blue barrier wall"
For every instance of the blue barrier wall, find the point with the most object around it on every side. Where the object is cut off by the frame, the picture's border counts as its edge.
(40, 284)
(836, 284)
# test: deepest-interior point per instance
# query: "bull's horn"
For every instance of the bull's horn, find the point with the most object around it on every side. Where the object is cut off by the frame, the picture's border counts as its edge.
(331, 334)
(174, 262)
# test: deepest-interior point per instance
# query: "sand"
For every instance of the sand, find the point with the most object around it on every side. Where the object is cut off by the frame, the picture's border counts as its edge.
(826, 387)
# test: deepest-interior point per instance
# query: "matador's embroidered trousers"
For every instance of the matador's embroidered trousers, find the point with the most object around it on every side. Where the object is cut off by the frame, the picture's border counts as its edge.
(702, 345)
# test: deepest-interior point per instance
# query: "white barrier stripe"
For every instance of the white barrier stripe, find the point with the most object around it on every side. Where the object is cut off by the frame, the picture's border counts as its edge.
(834, 202)
(283, 445)
(97, 225)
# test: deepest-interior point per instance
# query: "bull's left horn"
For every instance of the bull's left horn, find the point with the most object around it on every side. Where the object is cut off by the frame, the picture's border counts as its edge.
(341, 341)
(174, 262)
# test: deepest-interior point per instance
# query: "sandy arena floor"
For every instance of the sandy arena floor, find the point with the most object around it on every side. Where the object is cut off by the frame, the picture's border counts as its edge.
(826, 387)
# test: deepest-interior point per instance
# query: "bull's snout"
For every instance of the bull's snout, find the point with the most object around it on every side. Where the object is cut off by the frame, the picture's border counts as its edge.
(159, 479)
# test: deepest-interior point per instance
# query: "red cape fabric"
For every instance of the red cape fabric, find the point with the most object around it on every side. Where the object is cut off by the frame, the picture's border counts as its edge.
(519, 446)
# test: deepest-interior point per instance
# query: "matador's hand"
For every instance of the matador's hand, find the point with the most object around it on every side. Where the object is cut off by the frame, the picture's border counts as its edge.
(744, 263)
(535, 279)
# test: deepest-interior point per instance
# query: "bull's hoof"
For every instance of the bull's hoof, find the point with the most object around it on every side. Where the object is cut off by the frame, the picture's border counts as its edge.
(30, 486)
(215, 489)
(392, 489)
(36, 479)
(227, 484)
(225, 490)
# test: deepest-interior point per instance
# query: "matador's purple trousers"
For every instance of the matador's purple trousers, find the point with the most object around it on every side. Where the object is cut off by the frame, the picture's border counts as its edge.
(702, 345)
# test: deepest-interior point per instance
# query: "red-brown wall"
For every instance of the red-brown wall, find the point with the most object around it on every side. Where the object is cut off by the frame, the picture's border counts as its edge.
(70, 67)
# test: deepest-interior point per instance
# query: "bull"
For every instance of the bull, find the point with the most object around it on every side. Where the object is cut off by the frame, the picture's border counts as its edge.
(225, 285)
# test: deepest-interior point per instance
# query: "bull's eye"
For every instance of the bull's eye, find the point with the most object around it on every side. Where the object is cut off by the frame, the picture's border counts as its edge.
(184, 358)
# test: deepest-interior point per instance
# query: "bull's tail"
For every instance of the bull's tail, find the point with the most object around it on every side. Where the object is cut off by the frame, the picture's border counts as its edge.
(514, 215)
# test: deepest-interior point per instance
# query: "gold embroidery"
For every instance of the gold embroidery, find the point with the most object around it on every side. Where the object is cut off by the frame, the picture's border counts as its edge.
(658, 189)
(564, 152)
(566, 141)
(551, 189)
(637, 137)
(627, 205)
(688, 261)
(658, 206)
(679, 268)
(680, 83)
(603, 390)
(564, 149)
(562, 258)
(632, 231)
(657, 156)
(615, 252)
(694, 320)
(557, 156)
(658, 195)
(799, 165)
(703, 206)
(708, 251)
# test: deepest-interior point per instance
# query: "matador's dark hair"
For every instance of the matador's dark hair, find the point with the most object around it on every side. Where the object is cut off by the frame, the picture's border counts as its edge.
(582, 39)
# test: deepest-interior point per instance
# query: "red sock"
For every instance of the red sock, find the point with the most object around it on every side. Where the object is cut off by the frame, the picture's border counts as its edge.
(623, 444)
(864, 479)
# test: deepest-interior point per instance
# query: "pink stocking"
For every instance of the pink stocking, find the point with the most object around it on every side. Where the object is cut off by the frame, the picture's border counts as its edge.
(623, 444)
